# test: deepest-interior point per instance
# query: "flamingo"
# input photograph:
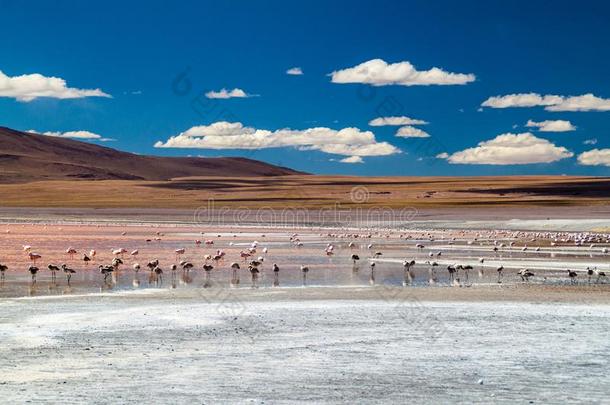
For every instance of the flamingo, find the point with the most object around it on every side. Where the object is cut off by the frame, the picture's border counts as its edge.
(500, 270)
(276, 275)
(451, 269)
(53, 269)
(466, 269)
(71, 252)
(525, 274)
(33, 270)
(92, 253)
(179, 252)
(372, 278)
(589, 274)
(153, 264)
(86, 258)
(68, 272)
(244, 255)
(159, 274)
(106, 271)
(27, 248)
(187, 266)
(3, 269)
(136, 279)
(355, 259)
(119, 252)
(254, 272)
(134, 253)
(408, 273)
(432, 272)
(235, 278)
(599, 275)
(34, 256)
(304, 270)
(572, 275)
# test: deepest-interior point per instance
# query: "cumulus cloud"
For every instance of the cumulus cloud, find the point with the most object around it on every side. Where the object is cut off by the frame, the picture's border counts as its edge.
(378, 72)
(224, 93)
(402, 120)
(411, 132)
(510, 149)
(443, 155)
(595, 157)
(73, 135)
(30, 87)
(295, 71)
(352, 159)
(590, 141)
(233, 135)
(586, 102)
(551, 125)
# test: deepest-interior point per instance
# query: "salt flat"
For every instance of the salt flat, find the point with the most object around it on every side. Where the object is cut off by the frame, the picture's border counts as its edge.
(170, 348)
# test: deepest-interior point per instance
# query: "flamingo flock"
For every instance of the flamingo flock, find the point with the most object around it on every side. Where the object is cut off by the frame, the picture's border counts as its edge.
(254, 258)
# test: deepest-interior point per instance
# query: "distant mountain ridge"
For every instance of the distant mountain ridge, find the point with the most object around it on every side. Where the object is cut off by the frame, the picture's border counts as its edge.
(26, 156)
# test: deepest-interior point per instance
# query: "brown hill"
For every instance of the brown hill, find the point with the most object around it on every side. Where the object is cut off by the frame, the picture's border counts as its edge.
(28, 157)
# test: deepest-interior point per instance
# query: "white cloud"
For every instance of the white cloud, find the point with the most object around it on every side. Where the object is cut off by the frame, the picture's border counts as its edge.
(381, 121)
(551, 125)
(595, 157)
(29, 87)
(590, 141)
(379, 73)
(295, 71)
(224, 93)
(521, 100)
(411, 132)
(73, 135)
(443, 155)
(352, 159)
(233, 135)
(586, 102)
(511, 149)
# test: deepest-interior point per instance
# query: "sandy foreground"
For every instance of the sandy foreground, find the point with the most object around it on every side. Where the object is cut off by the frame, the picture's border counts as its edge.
(347, 335)
(273, 346)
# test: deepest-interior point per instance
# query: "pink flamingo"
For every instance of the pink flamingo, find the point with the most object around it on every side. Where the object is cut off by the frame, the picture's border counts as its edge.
(244, 255)
(34, 256)
(71, 252)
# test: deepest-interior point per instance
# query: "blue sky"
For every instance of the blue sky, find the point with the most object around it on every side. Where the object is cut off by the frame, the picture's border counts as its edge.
(143, 54)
